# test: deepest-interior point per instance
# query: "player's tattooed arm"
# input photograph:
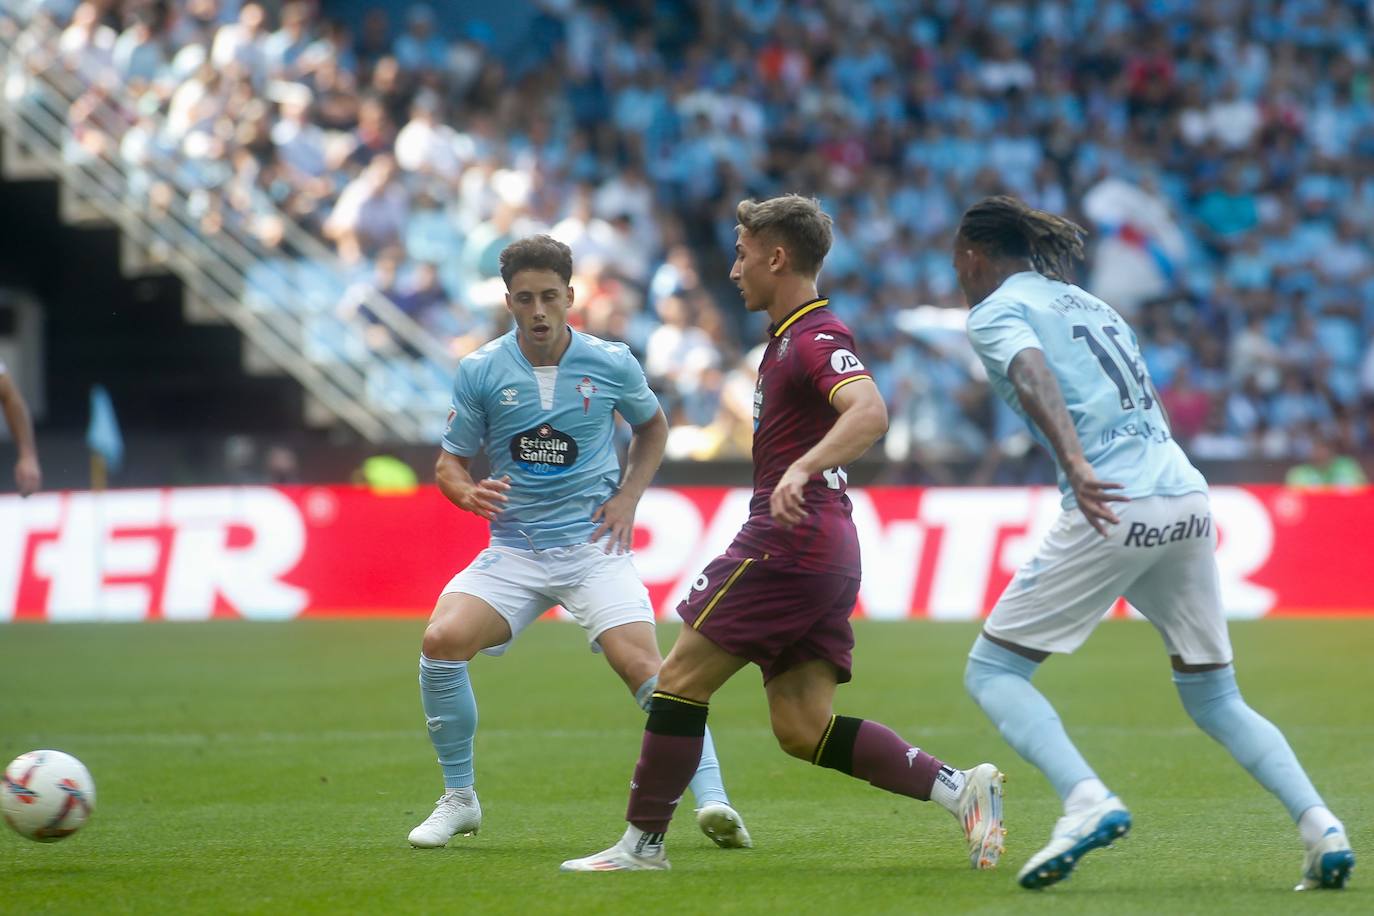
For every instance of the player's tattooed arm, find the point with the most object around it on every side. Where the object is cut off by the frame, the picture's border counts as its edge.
(484, 498)
(862, 421)
(1043, 401)
(617, 514)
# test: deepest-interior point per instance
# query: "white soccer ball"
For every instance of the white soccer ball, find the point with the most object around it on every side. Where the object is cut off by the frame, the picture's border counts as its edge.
(46, 795)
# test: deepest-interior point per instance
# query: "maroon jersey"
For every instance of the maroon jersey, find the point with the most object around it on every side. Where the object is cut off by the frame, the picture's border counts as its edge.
(810, 356)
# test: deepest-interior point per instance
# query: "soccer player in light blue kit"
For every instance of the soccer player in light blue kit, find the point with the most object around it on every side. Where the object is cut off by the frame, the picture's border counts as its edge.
(540, 402)
(1071, 367)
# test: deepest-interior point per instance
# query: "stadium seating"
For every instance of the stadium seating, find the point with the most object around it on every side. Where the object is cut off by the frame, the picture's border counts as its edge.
(1222, 168)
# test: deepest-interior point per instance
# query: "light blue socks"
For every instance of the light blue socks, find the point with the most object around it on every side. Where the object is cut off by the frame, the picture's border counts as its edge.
(999, 681)
(1213, 700)
(706, 786)
(451, 715)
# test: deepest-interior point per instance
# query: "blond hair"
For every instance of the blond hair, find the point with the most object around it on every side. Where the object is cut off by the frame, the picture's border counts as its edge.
(796, 223)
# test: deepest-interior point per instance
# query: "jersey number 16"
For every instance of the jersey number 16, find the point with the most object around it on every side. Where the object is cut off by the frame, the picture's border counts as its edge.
(1113, 368)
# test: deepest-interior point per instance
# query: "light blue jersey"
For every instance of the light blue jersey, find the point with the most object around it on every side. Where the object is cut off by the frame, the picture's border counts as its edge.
(1094, 355)
(550, 429)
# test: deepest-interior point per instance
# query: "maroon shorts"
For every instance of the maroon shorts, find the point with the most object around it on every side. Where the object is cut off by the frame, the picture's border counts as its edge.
(768, 611)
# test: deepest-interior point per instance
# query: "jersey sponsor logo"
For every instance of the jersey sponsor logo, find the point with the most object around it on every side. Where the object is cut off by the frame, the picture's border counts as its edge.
(1142, 535)
(843, 361)
(509, 397)
(544, 450)
(586, 388)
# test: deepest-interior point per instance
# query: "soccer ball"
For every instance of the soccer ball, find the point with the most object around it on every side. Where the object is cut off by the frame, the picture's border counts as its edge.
(46, 795)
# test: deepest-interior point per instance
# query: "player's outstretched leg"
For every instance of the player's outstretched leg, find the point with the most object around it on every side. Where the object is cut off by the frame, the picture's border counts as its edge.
(1214, 702)
(871, 751)
(451, 715)
(716, 817)
(999, 681)
(668, 757)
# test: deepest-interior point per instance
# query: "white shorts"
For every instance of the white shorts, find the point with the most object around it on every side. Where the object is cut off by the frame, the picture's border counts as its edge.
(599, 590)
(1161, 558)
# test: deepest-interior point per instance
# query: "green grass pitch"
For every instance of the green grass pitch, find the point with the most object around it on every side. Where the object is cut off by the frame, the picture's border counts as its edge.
(276, 768)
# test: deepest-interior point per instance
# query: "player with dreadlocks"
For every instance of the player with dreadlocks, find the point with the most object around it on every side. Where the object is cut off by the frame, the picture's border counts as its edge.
(1071, 367)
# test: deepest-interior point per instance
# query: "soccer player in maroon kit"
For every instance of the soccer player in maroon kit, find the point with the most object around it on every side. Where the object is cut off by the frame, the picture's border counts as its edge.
(781, 595)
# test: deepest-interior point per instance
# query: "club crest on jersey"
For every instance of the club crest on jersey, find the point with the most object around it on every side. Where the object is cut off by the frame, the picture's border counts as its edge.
(586, 388)
(543, 450)
(843, 361)
(509, 397)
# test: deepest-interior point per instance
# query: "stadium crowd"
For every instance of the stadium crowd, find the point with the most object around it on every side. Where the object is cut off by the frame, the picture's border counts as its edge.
(1221, 155)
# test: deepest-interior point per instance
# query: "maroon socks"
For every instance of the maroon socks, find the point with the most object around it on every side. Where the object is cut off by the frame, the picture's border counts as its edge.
(668, 760)
(872, 751)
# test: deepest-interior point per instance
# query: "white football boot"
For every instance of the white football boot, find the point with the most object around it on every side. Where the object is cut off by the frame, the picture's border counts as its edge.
(634, 852)
(980, 812)
(457, 811)
(1328, 863)
(724, 826)
(1075, 835)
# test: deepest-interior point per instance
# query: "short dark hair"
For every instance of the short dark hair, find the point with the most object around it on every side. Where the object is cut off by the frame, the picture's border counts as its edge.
(1006, 227)
(796, 223)
(538, 252)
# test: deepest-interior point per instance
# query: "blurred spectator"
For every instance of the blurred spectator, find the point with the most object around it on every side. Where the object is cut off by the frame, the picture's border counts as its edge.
(138, 53)
(281, 465)
(1214, 442)
(371, 211)
(87, 44)
(1188, 407)
(1255, 357)
(1140, 247)
(421, 49)
(299, 141)
(1325, 467)
(424, 299)
(427, 146)
(284, 48)
(238, 48)
(386, 475)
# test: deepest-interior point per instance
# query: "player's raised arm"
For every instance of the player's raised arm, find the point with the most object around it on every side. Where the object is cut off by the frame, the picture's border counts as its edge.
(862, 421)
(485, 498)
(1039, 394)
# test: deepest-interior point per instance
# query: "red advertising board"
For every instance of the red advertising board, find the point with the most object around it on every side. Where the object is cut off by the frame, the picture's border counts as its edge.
(286, 552)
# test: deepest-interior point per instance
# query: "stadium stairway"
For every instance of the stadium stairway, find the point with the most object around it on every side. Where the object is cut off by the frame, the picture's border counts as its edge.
(281, 296)
(112, 318)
